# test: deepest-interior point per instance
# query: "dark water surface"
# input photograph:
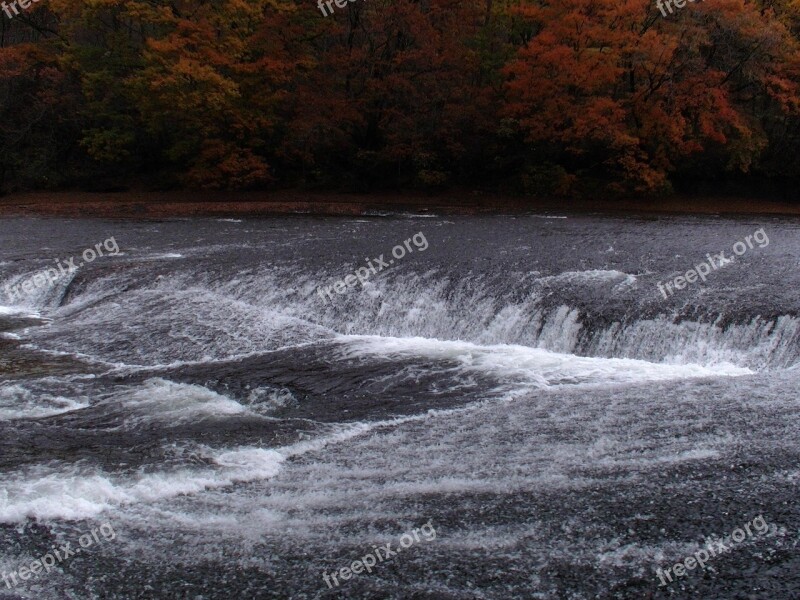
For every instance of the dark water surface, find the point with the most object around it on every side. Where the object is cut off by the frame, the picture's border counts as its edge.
(518, 382)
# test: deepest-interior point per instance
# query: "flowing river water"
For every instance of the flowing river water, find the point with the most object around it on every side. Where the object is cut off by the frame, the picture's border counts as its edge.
(520, 383)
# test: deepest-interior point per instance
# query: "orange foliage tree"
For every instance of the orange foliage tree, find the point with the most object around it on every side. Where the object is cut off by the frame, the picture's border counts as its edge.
(610, 87)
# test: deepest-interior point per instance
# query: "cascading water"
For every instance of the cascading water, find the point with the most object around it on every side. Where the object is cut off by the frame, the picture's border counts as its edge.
(522, 382)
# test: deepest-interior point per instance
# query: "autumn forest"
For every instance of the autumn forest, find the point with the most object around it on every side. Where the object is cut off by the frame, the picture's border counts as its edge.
(562, 97)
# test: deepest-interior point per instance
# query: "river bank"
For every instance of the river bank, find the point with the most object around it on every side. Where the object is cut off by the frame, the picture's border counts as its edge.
(218, 204)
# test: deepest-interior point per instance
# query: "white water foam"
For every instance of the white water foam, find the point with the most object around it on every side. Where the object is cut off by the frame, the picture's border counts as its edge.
(159, 400)
(12, 310)
(18, 402)
(588, 276)
(754, 344)
(41, 293)
(257, 311)
(74, 493)
(213, 325)
(559, 440)
(526, 367)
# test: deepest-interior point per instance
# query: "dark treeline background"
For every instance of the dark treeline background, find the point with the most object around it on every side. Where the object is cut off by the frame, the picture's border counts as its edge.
(536, 97)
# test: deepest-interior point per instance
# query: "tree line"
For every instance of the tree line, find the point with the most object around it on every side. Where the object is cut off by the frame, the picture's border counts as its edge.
(540, 97)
